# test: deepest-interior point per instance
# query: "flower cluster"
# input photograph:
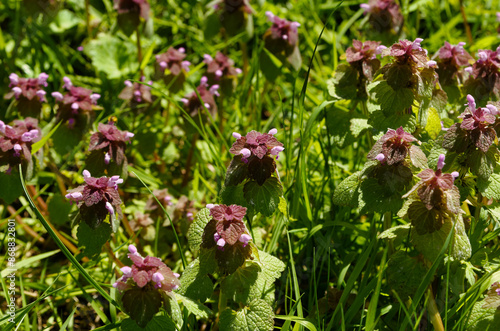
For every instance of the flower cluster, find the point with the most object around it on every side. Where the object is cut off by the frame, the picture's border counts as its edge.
(485, 73)
(438, 194)
(28, 88)
(194, 104)
(411, 52)
(77, 101)
(450, 59)
(147, 272)
(253, 157)
(282, 40)
(229, 227)
(283, 29)
(256, 144)
(16, 141)
(136, 92)
(97, 199)
(173, 60)
(384, 14)
(392, 147)
(476, 129)
(112, 141)
(220, 67)
(29, 93)
(362, 56)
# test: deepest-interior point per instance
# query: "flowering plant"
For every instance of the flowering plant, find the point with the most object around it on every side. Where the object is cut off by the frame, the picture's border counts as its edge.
(29, 93)
(145, 287)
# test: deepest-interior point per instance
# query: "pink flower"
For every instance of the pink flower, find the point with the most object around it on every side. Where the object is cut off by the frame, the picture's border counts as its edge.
(256, 144)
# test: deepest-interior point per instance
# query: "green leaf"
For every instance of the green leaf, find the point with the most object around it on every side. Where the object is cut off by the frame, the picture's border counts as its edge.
(112, 56)
(237, 172)
(141, 304)
(12, 182)
(358, 126)
(483, 319)
(433, 126)
(158, 323)
(233, 195)
(59, 208)
(461, 249)
(398, 75)
(92, 240)
(378, 198)
(396, 233)
(344, 83)
(195, 283)
(391, 101)
(196, 229)
(258, 316)
(338, 122)
(491, 188)
(425, 220)
(483, 164)
(64, 21)
(195, 307)
(430, 244)
(346, 193)
(404, 274)
(266, 198)
(382, 122)
(255, 280)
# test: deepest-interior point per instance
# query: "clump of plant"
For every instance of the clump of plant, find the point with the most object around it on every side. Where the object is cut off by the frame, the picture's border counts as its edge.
(136, 94)
(146, 287)
(172, 67)
(252, 173)
(282, 41)
(99, 207)
(107, 150)
(75, 107)
(15, 144)
(29, 93)
(350, 79)
(221, 71)
(384, 16)
(130, 13)
(245, 275)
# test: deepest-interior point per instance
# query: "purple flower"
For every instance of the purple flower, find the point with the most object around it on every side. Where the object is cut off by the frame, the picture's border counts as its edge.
(28, 88)
(97, 198)
(112, 141)
(173, 60)
(256, 144)
(136, 92)
(77, 101)
(476, 118)
(193, 104)
(392, 147)
(384, 14)
(283, 29)
(220, 67)
(229, 227)
(144, 271)
(362, 56)
(16, 141)
(486, 69)
(409, 52)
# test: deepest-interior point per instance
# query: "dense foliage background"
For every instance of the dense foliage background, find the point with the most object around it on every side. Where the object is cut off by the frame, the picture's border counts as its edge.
(355, 253)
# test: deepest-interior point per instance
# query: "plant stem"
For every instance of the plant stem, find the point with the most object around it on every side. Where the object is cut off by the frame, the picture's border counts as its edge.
(87, 12)
(435, 317)
(139, 50)
(387, 226)
(466, 24)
